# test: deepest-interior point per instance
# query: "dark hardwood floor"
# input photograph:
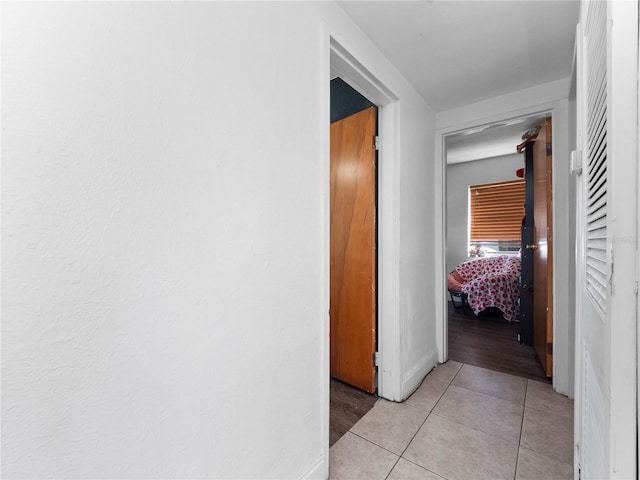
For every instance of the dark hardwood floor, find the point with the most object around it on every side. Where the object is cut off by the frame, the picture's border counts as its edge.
(347, 405)
(491, 342)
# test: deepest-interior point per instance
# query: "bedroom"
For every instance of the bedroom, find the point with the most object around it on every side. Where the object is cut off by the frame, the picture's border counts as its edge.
(484, 328)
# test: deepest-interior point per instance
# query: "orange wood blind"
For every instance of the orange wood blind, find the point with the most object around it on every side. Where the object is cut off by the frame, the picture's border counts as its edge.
(496, 211)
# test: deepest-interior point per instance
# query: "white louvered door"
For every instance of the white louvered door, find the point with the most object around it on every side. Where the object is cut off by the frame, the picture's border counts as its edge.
(607, 230)
(597, 262)
(591, 405)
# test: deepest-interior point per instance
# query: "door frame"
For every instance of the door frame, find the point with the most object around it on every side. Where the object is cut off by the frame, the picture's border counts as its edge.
(487, 113)
(339, 61)
(343, 64)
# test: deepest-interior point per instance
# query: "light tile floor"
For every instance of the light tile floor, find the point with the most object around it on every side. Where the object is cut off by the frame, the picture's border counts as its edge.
(463, 422)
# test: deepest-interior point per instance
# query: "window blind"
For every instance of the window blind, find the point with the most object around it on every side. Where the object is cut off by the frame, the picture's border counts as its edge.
(496, 211)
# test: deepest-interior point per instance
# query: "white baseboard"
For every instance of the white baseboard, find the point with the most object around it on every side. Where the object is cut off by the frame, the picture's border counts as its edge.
(414, 377)
(318, 471)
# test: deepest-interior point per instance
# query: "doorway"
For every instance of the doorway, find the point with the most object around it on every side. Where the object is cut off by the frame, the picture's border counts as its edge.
(388, 382)
(344, 65)
(353, 262)
(486, 155)
(353, 237)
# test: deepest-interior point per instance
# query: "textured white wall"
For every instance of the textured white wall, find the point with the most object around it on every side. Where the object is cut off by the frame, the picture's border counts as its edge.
(162, 236)
(165, 265)
(459, 177)
(418, 341)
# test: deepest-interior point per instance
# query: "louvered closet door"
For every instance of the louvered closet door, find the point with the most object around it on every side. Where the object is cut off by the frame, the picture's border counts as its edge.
(596, 159)
(606, 225)
(593, 295)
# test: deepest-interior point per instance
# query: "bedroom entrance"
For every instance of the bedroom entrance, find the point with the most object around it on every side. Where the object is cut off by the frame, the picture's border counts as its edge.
(482, 162)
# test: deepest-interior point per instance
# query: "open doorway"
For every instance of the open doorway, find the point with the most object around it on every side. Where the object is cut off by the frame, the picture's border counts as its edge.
(344, 65)
(388, 383)
(353, 237)
(484, 247)
(353, 263)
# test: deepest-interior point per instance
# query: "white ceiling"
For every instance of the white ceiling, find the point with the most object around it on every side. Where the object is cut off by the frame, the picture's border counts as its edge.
(488, 141)
(460, 52)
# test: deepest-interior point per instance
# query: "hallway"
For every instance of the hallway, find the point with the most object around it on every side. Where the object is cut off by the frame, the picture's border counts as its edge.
(463, 422)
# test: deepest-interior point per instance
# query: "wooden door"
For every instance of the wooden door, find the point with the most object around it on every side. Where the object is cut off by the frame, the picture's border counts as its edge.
(353, 257)
(543, 249)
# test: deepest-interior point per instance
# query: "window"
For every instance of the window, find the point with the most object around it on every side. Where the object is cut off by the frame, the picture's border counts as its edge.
(495, 216)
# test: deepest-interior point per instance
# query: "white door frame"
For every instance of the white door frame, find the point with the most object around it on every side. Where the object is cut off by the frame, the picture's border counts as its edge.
(340, 62)
(638, 267)
(345, 65)
(563, 345)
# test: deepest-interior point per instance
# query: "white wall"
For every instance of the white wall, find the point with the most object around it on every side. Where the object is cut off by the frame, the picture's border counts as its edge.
(418, 340)
(547, 98)
(459, 177)
(165, 238)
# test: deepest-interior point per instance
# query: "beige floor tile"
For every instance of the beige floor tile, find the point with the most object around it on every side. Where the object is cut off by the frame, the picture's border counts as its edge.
(535, 466)
(390, 425)
(445, 371)
(548, 434)
(541, 396)
(405, 470)
(497, 384)
(427, 394)
(483, 412)
(456, 451)
(353, 457)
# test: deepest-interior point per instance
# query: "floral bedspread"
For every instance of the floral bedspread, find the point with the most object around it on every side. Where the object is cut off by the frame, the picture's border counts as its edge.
(492, 282)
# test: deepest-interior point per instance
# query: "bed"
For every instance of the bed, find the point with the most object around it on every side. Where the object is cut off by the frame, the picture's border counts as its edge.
(488, 282)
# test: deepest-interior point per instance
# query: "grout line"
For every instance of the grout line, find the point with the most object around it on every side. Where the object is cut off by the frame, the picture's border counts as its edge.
(524, 410)
(431, 411)
(422, 467)
(457, 373)
(425, 420)
(372, 443)
(405, 448)
(489, 395)
(392, 468)
(477, 430)
(515, 470)
(546, 455)
(549, 413)
(418, 430)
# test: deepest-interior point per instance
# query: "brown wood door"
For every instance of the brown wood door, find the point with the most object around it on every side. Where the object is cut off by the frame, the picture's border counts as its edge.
(543, 249)
(353, 256)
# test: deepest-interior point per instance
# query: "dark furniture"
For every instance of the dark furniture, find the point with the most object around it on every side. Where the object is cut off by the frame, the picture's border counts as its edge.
(526, 255)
